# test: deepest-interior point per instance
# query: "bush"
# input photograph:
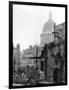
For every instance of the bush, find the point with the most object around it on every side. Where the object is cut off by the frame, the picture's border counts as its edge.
(26, 75)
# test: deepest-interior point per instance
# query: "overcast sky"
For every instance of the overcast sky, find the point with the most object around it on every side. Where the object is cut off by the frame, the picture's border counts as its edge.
(28, 22)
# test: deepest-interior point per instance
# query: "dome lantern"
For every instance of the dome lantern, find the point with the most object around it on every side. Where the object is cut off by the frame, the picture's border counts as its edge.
(50, 15)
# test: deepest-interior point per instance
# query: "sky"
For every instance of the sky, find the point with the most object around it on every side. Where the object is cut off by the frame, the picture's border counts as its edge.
(28, 22)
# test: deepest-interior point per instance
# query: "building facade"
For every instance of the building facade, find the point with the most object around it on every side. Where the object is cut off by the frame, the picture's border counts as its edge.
(56, 55)
(16, 57)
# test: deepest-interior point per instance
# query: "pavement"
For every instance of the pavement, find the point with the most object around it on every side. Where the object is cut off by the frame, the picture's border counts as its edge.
(17, 84)
(45, 82)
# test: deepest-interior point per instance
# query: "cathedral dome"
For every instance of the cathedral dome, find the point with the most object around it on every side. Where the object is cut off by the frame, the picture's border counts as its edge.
(49, 25)
(47, 36)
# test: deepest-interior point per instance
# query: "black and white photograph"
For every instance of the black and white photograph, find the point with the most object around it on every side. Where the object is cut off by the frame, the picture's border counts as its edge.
(37, 44)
